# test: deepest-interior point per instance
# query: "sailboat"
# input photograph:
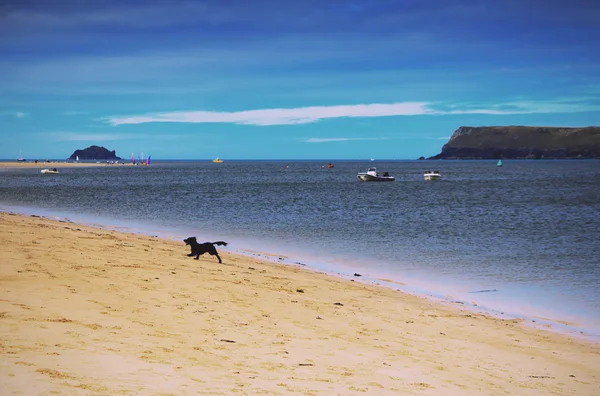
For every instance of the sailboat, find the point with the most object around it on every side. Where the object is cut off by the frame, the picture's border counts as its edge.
(217, 160)
(499, 164)
(140, 161)
(21, 159)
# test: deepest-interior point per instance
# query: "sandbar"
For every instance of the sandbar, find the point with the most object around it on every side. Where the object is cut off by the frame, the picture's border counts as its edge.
(59, 164)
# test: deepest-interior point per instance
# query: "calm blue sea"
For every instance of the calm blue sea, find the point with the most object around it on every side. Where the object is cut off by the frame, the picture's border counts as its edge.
(521, 240)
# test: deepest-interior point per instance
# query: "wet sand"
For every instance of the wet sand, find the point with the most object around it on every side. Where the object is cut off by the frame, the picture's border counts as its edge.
(85, 310)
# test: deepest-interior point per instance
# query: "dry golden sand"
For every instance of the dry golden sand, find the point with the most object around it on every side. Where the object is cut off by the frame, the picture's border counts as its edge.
(92, 311)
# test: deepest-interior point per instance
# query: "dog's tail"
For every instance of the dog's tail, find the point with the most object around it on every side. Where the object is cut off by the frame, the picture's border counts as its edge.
(220, 243)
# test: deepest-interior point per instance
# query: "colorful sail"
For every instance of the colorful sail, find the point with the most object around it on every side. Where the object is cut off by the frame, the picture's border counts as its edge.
(148, 160)
(132, 158)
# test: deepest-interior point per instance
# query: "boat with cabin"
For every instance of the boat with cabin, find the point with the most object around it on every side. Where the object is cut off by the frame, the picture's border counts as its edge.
(432, 175)
(372, 175)
(52, 171)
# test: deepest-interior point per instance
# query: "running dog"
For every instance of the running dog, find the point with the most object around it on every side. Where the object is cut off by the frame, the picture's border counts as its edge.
(199, 249)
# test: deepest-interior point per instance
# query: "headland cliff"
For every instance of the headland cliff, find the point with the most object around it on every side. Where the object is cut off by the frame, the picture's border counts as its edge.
(522, 142)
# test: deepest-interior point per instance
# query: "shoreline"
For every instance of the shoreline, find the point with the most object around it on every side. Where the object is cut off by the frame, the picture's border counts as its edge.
(93, 309)
(580, 326)
(58, 164)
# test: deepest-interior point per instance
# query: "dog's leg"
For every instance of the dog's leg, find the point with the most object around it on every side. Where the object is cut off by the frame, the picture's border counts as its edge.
(218, 257)
(196, 258)
(190, 255)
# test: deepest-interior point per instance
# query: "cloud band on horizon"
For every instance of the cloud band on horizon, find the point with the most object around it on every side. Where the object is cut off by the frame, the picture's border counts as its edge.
(306, 115)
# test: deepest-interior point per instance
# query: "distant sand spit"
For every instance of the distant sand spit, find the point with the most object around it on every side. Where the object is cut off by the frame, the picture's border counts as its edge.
(57, 164)
(94, 311)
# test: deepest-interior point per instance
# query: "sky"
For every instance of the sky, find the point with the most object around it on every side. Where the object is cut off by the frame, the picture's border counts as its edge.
(288, 79)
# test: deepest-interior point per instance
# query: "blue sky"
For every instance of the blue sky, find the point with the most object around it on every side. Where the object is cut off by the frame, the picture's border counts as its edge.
(269, 79)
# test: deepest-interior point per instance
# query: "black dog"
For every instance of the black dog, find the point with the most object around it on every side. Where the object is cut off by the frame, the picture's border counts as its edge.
(201, 248)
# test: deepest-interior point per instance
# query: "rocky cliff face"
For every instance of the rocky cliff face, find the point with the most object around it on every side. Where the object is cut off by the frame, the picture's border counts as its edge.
(520, 142)
(94, 153)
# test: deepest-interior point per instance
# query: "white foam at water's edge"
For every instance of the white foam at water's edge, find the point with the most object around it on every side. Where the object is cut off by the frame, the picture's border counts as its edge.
(498, 303)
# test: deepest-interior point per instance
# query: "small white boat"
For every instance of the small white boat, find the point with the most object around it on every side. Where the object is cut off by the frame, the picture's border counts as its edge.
(52, 171)
(372, 175)
(432, 175)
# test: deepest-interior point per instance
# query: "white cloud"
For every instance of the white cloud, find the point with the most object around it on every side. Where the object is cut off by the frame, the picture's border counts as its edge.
(96, 137)
(117, 14)
(305, 115)
(327, 140)
(301, 115)
(568, 105)
(19, 114)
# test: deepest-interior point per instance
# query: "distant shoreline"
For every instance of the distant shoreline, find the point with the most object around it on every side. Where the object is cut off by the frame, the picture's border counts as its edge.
(58, 164)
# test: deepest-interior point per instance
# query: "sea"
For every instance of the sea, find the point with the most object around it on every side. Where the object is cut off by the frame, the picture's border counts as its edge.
(517, 241)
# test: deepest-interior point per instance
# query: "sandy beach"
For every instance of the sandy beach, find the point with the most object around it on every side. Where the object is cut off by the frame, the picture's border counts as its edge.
(58, 164)
(85, 311)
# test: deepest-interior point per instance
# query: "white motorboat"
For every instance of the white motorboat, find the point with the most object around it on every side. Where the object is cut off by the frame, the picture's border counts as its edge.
(372, 175)
(432, 175)
(52, 171)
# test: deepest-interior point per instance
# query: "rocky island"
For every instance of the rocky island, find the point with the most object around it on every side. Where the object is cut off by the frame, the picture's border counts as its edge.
(94, 153)
(522, 142)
